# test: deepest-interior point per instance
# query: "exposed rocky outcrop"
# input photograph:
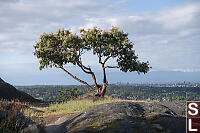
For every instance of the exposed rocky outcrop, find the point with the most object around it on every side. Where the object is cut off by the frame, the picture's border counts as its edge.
(9, 92)
(123, 117)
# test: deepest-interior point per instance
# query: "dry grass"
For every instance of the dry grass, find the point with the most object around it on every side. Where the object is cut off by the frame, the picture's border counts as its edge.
(75, 106)
(37, 114)
(9, 113)
(70, 107)
(135, 101)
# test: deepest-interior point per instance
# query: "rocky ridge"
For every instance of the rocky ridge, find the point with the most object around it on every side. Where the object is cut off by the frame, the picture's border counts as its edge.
(123, 117)
(9, 92)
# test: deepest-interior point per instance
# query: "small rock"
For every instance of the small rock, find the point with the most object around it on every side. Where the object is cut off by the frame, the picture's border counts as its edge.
(158, 126)
(32, 128)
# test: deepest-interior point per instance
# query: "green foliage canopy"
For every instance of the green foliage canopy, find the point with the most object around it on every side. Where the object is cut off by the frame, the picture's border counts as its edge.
(63, 47)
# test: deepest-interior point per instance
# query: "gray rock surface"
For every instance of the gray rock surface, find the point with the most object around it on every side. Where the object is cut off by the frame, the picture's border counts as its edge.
(31, 128)
(124, 117)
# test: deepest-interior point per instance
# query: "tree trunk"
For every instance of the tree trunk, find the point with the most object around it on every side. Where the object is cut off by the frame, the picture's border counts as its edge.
(105, 84)
(103, 91)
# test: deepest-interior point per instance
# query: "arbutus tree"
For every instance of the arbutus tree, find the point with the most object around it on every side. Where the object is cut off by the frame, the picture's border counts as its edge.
(63, 47)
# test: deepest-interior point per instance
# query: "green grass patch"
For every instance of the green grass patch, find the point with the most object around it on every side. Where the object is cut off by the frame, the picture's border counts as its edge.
(69, 107)
(75, 106)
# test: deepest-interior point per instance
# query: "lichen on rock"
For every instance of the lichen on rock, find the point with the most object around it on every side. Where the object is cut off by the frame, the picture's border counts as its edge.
(126, 117)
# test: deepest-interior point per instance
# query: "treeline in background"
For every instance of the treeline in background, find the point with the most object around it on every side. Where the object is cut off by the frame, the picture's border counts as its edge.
(122, 91)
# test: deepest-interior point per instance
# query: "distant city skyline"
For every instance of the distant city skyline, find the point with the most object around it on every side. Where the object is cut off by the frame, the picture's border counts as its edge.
(165, 33)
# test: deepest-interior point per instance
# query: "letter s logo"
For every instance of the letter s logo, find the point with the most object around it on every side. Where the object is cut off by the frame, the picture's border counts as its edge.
(193, 108)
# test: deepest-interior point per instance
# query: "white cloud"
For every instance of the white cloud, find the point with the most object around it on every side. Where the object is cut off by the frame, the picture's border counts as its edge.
(169, 39)
(187, 70)
(23, 21)
(179, 16)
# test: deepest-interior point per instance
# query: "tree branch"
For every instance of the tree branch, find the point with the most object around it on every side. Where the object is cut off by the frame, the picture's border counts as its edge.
(104, 80)
(111, 66)
(82, 67)
(100, 60)
(81, 64)
(77, 78)
(104, 73)
(88, 72)
(106, 59)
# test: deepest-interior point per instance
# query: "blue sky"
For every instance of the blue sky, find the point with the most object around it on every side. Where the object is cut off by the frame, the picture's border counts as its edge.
(165, 32)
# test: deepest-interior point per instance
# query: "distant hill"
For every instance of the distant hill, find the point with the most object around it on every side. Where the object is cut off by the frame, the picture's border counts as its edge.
(9, 92)
(1, 80)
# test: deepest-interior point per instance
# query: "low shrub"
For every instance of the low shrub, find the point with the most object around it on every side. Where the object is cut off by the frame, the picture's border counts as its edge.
(67, 94)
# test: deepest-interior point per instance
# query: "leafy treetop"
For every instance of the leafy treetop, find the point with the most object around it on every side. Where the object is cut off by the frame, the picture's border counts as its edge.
(63, 47)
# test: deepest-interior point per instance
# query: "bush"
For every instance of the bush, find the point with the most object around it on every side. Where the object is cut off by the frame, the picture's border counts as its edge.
(67, 94)
(10, 116)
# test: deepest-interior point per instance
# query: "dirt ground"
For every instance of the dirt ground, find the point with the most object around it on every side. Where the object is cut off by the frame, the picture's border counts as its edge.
(52, 118)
